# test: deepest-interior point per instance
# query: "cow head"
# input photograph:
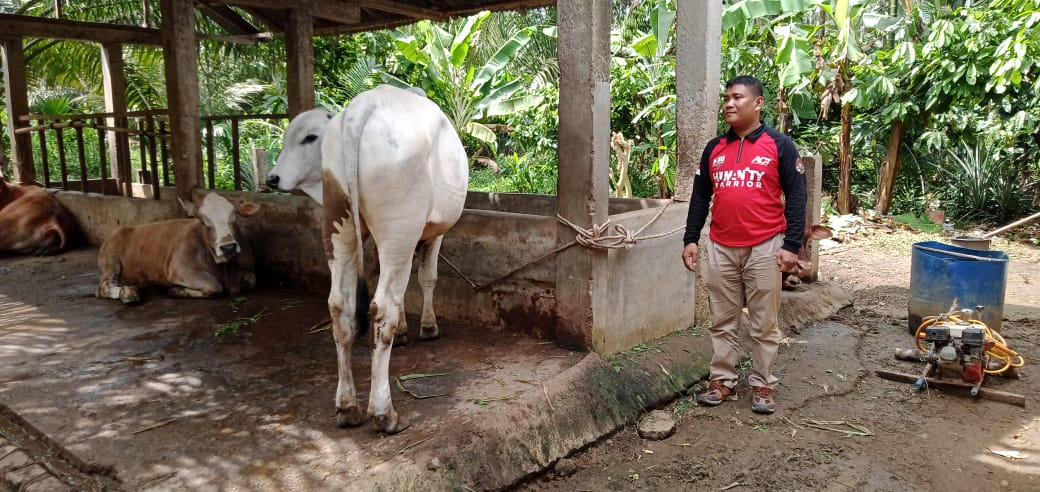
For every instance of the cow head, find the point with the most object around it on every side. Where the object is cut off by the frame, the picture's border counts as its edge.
(218, 216)
(804, 269)
(299, 165)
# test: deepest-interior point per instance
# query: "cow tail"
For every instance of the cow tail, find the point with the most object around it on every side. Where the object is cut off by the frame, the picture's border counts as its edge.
(354, 127)
(55, 231)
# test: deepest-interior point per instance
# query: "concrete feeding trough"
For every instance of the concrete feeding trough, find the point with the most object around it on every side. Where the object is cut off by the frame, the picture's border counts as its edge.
(498, 267)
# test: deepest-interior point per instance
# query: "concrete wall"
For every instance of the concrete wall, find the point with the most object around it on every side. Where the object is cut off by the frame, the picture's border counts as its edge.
(507, 255)
(649, 293)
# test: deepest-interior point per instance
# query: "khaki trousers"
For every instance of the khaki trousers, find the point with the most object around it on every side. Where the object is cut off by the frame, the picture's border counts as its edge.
(736, 277)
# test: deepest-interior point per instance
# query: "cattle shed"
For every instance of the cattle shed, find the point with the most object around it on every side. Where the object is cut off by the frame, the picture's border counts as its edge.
(581, 268)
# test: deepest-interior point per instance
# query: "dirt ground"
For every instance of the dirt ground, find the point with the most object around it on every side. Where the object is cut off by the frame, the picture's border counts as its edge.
(838, 426)
(148, 398)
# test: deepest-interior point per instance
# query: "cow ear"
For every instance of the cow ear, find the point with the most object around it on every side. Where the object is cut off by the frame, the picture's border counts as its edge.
(248, 209)
(189, 207)
(820, 232)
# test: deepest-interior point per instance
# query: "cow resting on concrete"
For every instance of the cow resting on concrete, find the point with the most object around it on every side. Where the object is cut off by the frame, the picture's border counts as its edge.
(204, 256)
(391, 166)
(32, 221)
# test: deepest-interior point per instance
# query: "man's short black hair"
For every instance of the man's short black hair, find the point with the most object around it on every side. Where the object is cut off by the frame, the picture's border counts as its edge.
(747, 81)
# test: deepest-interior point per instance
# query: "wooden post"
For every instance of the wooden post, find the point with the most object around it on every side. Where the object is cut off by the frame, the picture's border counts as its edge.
(259, 169)
(182, 93)
(584, 159)
(299, 48)
(16, 91)
(112, 72)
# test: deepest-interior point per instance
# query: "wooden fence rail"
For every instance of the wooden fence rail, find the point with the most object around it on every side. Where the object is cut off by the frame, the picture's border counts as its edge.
(114, 173)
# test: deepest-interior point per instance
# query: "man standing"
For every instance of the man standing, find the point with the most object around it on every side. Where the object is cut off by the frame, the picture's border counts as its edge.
(757, 224)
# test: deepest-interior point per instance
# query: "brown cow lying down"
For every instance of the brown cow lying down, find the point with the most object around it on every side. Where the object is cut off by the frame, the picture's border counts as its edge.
(792, 280)
(32, 221)
(204, 256)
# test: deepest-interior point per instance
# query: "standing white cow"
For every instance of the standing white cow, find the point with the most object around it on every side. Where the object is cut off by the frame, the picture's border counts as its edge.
(394, 161)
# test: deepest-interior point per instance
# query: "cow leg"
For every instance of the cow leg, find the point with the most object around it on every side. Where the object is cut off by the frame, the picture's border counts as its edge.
(203, 285)
(386, 309)
(110, 286)
(345, 273)
(401, 333)
(427, 281)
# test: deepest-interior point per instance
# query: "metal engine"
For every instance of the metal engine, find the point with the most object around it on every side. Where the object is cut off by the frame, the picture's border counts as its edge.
(956, 350)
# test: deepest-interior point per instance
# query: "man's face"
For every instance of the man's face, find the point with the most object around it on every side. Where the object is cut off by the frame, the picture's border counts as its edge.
(740, 106)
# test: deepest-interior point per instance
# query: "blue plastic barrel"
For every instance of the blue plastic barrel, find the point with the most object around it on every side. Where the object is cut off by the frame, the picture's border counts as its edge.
(941, 273)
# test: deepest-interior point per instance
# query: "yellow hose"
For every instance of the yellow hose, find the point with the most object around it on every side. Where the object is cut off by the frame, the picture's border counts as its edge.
(999, 350)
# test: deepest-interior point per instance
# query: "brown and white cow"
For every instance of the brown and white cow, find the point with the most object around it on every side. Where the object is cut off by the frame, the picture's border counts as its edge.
(204, 256)
(803, 271)
(391, 166)
(32, 221)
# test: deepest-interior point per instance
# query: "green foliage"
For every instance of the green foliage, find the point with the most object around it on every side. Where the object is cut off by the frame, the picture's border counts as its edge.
(982, 183)
(916, 223)
(468, 88)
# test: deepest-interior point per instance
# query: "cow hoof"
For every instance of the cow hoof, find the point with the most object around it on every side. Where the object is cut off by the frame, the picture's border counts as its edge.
(428, 332)
(401, 340)
(391, 424)
(129, 296)
(349, 417)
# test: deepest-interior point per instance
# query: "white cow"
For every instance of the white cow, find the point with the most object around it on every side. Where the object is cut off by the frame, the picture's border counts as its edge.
(393, 160)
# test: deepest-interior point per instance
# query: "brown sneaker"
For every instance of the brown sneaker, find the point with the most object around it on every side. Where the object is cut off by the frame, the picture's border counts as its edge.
(716, 394)
(762, 400)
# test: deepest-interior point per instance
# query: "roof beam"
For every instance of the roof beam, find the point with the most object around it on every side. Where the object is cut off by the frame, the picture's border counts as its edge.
(344, 11)
(404, 9)
(228, 19)
(23, 26)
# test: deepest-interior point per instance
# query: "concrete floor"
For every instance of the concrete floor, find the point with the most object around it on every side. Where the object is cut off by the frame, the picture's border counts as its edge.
(150, 399)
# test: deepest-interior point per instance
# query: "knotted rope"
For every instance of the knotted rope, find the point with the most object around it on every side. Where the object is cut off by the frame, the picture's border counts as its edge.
(622, 238)
(590, 238)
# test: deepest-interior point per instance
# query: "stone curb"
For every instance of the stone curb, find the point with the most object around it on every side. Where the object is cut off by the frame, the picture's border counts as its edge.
(592, 399)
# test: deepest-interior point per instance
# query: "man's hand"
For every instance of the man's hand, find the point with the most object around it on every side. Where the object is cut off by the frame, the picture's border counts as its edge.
(787, 260)
(689, 257)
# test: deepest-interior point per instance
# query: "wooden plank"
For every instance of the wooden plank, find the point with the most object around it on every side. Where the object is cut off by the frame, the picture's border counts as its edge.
(405, 9)
(23, 26)
(985, 393)
(344, 11)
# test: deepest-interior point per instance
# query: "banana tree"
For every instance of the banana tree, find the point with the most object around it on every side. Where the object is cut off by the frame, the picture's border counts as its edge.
(648, 63)
(468, 89)
(846, 16)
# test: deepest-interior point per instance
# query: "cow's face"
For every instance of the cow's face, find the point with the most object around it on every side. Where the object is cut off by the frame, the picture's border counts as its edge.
(218, 215)
(299, 165)
(804, 268)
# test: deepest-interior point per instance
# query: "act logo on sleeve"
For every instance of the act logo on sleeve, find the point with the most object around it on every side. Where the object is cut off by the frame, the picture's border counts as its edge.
(719, 161)
(761, 160)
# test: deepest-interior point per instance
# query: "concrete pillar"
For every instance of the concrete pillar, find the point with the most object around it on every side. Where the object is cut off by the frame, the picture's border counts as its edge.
(181, 56)
(299, 48)
(813, 205)
(583, 48)
(698, 40)
(112, 71)
(17, 97)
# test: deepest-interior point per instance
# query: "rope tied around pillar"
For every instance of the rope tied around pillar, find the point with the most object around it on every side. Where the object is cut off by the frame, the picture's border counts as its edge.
(590, 238)
(622, 238)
